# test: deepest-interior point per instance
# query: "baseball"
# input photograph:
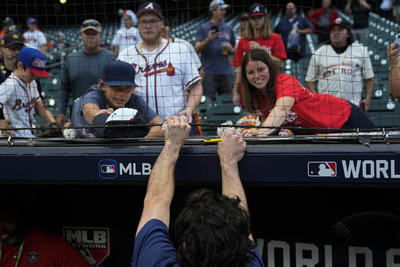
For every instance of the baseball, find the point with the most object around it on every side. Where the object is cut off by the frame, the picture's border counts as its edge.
(69, 133)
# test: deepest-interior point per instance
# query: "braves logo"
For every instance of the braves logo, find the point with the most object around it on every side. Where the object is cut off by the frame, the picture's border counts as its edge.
(33, 257)
(27, 106)
(156, 68)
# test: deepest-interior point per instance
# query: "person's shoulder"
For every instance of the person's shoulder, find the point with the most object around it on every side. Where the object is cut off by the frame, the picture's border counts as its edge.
(275, 36)
(322, 50)
(106, 52)
(75, 54)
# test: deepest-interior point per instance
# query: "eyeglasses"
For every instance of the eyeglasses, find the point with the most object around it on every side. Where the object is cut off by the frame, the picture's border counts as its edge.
(91, 23)
(152, 22)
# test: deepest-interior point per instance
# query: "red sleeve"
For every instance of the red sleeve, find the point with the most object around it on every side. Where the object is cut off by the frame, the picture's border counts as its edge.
(312, 17)
(287, 85)
(70, 257)
(333, 16)
(279, 50)
(238, 58)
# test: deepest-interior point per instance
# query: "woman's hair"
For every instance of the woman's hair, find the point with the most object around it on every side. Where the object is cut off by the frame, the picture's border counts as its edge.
(266, 31)
(350, 39)
(213, 230)
(252, 96)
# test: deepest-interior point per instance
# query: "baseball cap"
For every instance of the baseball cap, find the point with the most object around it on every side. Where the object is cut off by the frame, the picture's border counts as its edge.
(218, 4)
(340, 22)
(119, 124)
(8, 21)
(34, 60)
(119, 73)
(257, 10)
(31, 21)
(12, 38)
(150, 7)
(244, 16)
(91, 24)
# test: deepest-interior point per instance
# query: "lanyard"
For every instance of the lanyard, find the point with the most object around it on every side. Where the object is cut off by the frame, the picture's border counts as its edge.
(21, 247)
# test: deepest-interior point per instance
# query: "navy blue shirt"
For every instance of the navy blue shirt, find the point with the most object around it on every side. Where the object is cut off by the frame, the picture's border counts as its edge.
(96, 96)
(212, 60)
(285, 26)
(154, 248)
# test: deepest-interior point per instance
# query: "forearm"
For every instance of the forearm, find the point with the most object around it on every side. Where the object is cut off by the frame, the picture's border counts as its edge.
(369, 87)
(311, 86)
(394, 79)
(44, 112)
(238, 80)
(231, 184)
(196, 92)
(304, 31)
(199, 46)
(275, 119)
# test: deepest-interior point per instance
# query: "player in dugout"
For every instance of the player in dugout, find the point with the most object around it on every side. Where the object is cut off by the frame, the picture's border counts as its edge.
(282, 100)
(115, 90)
(212, 229)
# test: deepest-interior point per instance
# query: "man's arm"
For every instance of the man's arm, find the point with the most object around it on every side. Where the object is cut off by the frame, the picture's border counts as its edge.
(200, 45)
(369, 87)
(311, 87)
(91, 110)
(394, 74)
(196, 92)
(160, 187)
(44, 112)
(6, 124)
(155, 131)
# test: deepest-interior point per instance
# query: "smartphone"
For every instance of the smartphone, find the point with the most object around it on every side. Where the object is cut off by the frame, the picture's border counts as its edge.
(397, 41)
(215, 28)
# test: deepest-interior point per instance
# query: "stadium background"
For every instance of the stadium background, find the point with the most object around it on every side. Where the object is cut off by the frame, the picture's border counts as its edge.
(293, 213)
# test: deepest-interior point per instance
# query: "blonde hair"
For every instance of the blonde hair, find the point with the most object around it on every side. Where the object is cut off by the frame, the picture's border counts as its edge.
(266, 31)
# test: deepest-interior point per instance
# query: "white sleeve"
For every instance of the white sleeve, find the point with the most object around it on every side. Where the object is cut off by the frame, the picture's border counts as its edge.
(368, 71)
(312, 72)
(6, 89)
(41, 38)
(114, 41)
(191, 74)
(123, 55)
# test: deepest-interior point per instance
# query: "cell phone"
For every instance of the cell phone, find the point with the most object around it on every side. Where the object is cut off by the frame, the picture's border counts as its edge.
(215, 28)
(397, 42)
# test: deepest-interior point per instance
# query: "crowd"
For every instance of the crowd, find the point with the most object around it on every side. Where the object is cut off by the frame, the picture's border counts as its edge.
(169, 75)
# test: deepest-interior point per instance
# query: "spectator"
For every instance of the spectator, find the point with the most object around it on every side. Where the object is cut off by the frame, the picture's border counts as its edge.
(19, 96)
(61, 43)
(396, 10)
(385, 9)
(8, 26)
(215, 41)
(115, 90)
(284, 101)
(22, 244)
(360, 10)
(244, 21)
(34, 37)
(258, 34)
(164, 70)
(340, 66)
(294, 27)
(322, 18)
(394, 74)
(125, 36)
(201, 232)
(82, 69)
(122, 13)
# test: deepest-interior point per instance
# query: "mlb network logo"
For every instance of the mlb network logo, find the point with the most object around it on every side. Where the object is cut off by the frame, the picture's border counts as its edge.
(108, 169)
(322, 169)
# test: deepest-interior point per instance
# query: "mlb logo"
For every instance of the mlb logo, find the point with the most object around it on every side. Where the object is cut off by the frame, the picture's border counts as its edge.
(322, 169)
(108, 169)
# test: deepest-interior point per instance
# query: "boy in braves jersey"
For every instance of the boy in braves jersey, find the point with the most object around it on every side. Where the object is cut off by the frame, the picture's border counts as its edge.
(164, 70)
(19, 97)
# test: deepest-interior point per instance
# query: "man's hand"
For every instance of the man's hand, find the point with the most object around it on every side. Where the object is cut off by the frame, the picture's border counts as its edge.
(6, 124)
(177, 131)
(105, 111)
(392, 52)
(188, 113)
(212, 35)
(61, 119)
(232, 147)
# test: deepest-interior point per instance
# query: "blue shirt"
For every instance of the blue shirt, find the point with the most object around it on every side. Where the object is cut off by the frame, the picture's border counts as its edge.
(212, 60)
(285, 26)
(154, 248)
(96, 96)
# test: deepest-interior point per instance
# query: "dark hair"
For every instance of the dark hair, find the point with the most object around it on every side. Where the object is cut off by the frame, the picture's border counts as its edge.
(350, 39)
(250, 92)
(213, 230)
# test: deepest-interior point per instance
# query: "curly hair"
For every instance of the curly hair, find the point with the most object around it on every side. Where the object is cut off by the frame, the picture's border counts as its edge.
(213, 230)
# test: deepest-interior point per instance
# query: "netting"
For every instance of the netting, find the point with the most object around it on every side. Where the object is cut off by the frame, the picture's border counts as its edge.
(195, 73)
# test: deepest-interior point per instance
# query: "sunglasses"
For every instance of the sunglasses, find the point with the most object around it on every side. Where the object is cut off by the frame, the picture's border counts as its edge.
(90, 23)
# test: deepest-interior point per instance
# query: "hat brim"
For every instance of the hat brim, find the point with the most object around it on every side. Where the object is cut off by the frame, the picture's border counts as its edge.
(258, 14)
(120, 83)
(14, 43)
(144, 11)
(90, 28)
(40, 73)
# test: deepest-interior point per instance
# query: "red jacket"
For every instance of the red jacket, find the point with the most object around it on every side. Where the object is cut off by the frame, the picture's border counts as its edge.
(316, 15)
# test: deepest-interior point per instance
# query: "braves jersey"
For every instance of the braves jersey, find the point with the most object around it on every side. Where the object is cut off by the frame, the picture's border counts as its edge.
(35, 39)
(126, 37)
(341, 75)
(162, 75)
(18, 101)
(273, 45)
(311, 110)
(195, 57)
(42, 249)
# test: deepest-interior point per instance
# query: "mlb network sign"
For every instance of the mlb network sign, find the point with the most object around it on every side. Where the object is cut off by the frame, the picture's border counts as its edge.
(109, 169)
(353, 169)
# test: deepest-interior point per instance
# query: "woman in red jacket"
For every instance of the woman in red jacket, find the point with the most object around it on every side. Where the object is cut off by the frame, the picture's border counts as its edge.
(321, 18)
(284, 101)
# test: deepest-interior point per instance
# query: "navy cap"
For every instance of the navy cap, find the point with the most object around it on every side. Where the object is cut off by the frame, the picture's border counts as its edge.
(150, 7)
(34, 60)
(119, 73)
(31, 21)
(12, 38)
(257, 10)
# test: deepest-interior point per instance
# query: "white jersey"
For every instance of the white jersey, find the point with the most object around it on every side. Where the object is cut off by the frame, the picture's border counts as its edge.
(124, 38)
(18, 101)
(35, 39)
(195, 56)
(162, 75)
(341, 75)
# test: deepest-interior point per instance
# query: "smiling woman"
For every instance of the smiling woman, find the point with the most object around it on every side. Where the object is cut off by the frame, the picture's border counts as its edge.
(282, 100)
